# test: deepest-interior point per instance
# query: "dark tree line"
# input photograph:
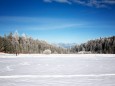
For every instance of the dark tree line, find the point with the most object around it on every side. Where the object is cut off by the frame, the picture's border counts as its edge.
(13, 43)
(102, 45)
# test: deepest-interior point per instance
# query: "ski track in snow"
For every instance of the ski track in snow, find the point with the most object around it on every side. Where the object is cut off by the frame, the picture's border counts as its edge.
(56, 76)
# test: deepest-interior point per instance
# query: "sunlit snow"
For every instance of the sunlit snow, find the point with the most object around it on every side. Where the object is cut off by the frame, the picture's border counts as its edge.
(57, 70)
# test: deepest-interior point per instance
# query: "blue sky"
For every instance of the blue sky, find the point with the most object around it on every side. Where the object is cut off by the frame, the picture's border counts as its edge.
(67, 21)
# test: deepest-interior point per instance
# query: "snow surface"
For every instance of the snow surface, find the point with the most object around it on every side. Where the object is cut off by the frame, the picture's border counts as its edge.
(3, 55)
(57, 70)
(56, 76)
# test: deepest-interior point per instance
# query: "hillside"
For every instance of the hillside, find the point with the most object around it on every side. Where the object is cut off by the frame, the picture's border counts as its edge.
(102, 45)
(13, 43)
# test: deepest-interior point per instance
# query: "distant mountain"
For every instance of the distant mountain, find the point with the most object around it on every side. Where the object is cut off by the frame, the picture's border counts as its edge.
(65, 45)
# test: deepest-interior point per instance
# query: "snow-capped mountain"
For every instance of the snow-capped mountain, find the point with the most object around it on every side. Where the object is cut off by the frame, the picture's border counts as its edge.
(65, 45)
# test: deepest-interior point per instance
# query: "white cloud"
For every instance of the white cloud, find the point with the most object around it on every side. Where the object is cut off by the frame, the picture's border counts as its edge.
(47, 0)
(90, 3)
(60, 26)
(63, 1)
(40, 23)
(109, 1)
(59, 1)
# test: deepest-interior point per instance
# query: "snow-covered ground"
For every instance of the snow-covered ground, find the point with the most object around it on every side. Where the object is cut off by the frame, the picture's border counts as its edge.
(3, 55)
(57, 70)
